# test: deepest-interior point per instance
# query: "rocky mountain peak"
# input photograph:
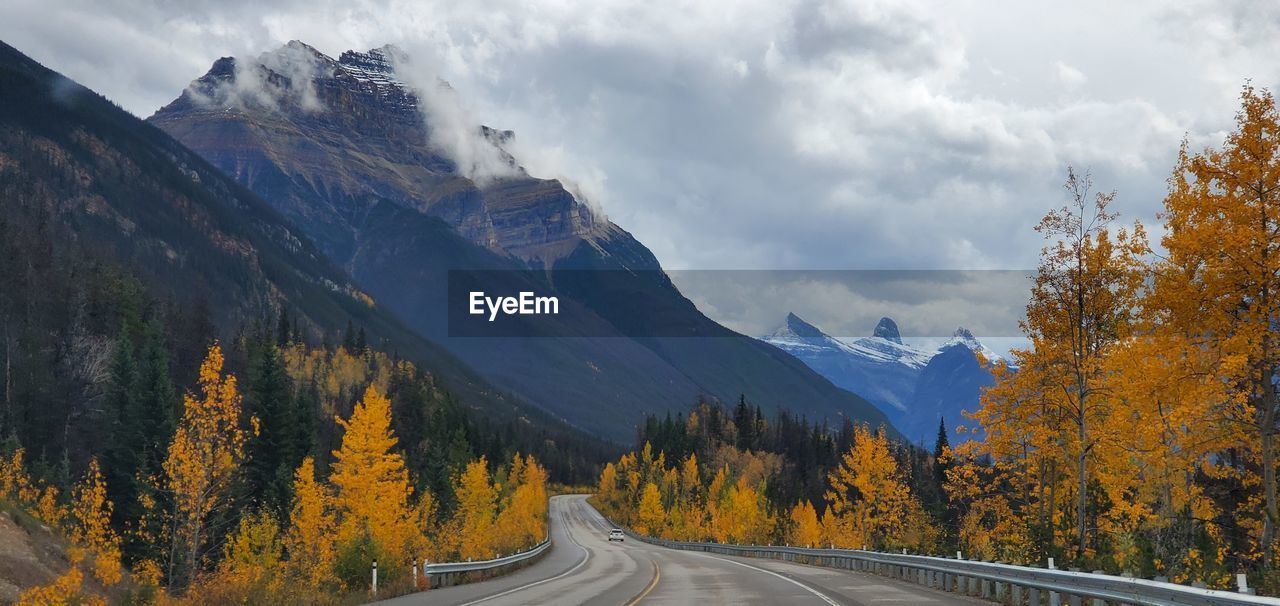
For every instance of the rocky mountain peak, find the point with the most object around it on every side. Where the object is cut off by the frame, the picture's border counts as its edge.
(376, 67)
(887, 329)
(798, 327)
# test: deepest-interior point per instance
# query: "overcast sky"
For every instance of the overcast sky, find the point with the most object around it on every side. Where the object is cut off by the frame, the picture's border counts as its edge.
(783, 134)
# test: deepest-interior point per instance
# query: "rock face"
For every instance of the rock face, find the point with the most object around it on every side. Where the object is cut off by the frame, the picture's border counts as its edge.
(887, 329)
(388, 183)
(328, 139)
(914, 388)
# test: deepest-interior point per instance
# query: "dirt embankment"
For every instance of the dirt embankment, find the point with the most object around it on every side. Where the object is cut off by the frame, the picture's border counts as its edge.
(30, 554)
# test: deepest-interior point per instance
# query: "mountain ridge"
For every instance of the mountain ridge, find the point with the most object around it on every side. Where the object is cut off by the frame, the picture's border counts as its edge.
(339, 152)
(914, 388)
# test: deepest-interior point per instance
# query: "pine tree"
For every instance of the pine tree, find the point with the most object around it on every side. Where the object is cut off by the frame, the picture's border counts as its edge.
(284, 334)
(274, 452)
(349, 338)
(156, 397)
(942, 444)
(744, 422)
(941, 453)
(123, 456)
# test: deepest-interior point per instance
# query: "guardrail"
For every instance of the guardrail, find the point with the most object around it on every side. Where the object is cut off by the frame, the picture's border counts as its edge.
(1004, 583)
(446, 574)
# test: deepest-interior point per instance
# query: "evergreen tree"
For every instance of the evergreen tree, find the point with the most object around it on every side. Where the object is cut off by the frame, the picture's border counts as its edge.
(274, 453)
(283, 328)
(942, 444)
(349, 337)
(157, 399)
(941, 458)
(744, 421)
(123, 455)
(306, 417)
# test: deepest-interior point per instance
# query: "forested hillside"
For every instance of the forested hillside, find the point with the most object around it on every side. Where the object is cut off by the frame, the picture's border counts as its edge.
(229, 504)
(180, 373)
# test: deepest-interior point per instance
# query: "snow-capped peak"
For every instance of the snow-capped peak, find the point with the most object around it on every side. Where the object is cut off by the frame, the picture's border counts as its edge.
(795, 326)
(885, 345)
(963, 336)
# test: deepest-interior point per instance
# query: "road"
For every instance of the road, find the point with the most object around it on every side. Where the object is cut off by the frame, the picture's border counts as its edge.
(584, 568)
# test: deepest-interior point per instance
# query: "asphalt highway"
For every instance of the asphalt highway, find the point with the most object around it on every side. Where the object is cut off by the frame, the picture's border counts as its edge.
(583, 567)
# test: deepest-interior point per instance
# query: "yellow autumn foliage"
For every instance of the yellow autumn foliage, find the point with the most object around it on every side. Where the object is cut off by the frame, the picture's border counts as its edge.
(372, 483)
(309, 538)
(206, 452)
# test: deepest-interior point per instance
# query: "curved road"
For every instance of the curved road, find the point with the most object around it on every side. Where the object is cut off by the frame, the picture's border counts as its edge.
(584, 568)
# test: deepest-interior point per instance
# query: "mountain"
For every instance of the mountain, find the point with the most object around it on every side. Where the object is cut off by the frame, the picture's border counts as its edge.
(879, 368)
(950, 384)
(391, 187)
(914, 388)
(96, 199)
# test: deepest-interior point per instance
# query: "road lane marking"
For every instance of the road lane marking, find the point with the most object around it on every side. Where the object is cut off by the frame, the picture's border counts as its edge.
(788, 579)
(657, 575)
(586, 555)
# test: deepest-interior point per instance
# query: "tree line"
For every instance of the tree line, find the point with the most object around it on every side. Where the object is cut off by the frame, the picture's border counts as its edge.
(198, 532)
(200, 486)
(737, 476)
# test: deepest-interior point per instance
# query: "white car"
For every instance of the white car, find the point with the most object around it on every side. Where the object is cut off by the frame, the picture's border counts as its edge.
(616, 535)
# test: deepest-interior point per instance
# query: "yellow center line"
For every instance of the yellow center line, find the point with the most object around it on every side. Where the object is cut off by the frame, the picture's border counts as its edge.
(657, 575)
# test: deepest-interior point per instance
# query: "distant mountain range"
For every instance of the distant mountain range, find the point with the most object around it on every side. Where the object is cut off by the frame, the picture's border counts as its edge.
(348, 153)
(915, 388)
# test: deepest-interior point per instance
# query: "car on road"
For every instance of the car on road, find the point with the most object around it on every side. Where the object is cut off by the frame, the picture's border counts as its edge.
(616, 535)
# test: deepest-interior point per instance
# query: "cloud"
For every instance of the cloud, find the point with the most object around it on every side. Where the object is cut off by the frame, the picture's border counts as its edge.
(478, 154)
(283, 76)
(826, 134)
(1068, 76)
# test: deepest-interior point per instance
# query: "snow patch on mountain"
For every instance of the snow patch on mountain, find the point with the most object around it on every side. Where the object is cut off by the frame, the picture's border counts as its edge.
(914, 387)
(962, 336)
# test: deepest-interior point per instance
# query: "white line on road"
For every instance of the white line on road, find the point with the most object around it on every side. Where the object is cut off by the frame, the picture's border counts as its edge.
(788, 579)
(586, 555)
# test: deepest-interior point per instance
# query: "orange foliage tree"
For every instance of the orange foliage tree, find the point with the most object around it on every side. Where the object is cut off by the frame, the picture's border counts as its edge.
(1220, 286)
(309, 539)
(870, 501)
(202, 462)
(372, 483)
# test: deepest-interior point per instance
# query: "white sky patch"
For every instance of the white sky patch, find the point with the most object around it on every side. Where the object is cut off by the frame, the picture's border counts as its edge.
(1068, 76)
